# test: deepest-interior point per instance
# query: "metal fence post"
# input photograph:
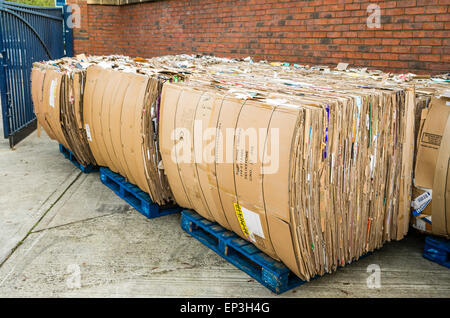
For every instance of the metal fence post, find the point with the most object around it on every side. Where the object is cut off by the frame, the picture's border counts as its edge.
(68, 31)
(3, 84)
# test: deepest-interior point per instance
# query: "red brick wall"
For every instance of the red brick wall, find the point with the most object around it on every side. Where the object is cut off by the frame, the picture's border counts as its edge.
(414, 34)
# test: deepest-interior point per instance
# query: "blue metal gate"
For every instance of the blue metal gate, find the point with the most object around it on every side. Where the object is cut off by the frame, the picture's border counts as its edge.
(27, 34)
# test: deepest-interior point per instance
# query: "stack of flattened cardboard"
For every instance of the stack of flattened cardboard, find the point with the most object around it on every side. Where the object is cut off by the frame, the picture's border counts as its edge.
(312, 165)
(426, 87)
(315, 176)
(121, 109)
(431, 192)
(105, 110)
(57, 94)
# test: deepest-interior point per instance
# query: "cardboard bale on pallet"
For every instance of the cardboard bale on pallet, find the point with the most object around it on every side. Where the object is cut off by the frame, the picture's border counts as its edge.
(46, 92)
(57, 93)
(312, 165)
(341, 182)
(104, 109)
(432, 171)
(121, 109)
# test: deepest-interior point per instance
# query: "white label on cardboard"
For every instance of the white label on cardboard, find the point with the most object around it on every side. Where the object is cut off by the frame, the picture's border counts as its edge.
(253, 222)
(420, 225)
(331, 170)
(52, 95)
(88, 133)
(422, 200)
(275, 102)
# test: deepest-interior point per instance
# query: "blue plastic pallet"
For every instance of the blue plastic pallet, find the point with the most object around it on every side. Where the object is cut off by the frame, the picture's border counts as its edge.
(437, 249)
(137, 198)
(244, 255)
(69, 155)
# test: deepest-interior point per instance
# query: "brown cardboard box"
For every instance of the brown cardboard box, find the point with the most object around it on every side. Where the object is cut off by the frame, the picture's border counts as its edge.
(432, 164)
(430, 141)
(441, 186)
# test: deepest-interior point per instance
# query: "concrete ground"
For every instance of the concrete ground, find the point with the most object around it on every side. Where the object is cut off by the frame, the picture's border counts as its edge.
(64, 234)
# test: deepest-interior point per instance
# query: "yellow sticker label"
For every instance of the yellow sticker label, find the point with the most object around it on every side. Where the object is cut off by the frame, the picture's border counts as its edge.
(240, 216)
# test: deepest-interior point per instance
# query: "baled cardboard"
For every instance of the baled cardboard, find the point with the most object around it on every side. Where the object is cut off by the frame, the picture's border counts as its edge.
(59, 112)
(430, 141)
(432, 163)
(309, 212)
(340, 187)
(441, 186)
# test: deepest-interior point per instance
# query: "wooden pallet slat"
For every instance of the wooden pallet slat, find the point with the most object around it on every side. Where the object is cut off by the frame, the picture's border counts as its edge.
(71, 157)
(134, 196)
(272, 274)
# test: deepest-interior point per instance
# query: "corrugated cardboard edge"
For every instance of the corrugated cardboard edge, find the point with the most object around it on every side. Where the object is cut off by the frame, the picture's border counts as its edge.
(407, 165)
(441, 187)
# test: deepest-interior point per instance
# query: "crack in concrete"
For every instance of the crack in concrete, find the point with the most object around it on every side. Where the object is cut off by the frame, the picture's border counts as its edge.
(13, 250)
(74, 222)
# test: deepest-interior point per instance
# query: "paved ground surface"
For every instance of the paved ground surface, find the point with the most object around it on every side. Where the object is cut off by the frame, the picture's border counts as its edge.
(64, 234)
